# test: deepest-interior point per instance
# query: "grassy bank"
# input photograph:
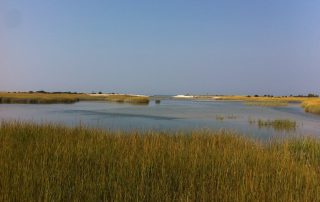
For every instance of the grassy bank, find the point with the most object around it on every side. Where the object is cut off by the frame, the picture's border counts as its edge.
(52, 98)
(54, 163)
(312, 106)
(267, 103)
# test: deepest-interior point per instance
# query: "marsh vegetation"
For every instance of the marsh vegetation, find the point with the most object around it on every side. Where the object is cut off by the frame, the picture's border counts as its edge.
(310, 103)
(55, 163)
(278, 124)
(312, 106)
(221, 117)
(54, 98)
(267, 103)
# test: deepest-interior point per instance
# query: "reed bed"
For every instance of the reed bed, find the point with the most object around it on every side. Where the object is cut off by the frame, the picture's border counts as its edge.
(49, 98)
(43, 98)
(55, 163)
(128, 99)
(312, 106)
(267, 103)
(278, 124)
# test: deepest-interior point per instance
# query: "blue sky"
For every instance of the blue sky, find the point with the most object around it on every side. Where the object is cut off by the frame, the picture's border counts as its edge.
(161, 47)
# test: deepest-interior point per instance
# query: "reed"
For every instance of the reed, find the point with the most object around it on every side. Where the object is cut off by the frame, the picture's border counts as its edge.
(55, 163)
(278, 124)
(267, 103)
(128, 99)
(50, 98)
(312, 106)
(43, 98)
(223, 117)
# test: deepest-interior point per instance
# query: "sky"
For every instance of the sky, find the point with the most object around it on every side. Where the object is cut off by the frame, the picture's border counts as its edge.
(161, 47)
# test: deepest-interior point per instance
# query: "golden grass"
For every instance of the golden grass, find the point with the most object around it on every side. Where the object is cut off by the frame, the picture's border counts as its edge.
(43, 98)
(312, 106)
(128, 99)
(264, 99)
(48, 98)
(55, 163)
(267, 103)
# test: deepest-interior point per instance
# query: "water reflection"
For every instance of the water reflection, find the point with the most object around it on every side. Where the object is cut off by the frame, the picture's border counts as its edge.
(170, 115)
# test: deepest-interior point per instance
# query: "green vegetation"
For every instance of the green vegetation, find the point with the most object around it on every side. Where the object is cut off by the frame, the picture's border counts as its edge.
(52, 98)
(55, 163)
(278, 124)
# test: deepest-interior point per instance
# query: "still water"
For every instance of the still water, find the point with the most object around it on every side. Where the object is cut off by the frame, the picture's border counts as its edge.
(169, 115)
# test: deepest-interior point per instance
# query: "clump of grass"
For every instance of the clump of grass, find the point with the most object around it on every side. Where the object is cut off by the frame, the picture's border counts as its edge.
(312, 106)
(128, 99)
(267, 103)
(278, 124)
(55, 163)
(231, 116)
(219, 117)
(222, 117)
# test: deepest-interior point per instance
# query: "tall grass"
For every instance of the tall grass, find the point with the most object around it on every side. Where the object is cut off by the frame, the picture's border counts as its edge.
(128, 99)
(312, 106)
(43, 98)
(278, 124)
(47, 98)
(55, 163)
(267, 103)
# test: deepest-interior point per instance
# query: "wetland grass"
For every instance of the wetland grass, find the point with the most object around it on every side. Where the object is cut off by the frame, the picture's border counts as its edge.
(278, 124)
(267, 103)
(56, 163)
(312, 106)
(128, 99)
(53, 98)
(223, 117)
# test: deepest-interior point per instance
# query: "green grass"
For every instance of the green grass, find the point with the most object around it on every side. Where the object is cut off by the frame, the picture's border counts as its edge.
(278, 124)
(55, 163)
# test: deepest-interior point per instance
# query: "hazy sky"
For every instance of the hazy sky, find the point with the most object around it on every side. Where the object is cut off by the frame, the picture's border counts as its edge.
(161, 47)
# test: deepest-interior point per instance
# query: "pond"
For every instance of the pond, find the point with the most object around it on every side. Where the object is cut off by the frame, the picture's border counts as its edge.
(168, 115)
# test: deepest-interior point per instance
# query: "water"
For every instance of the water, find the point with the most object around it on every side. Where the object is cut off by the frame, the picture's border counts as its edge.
(169, 115)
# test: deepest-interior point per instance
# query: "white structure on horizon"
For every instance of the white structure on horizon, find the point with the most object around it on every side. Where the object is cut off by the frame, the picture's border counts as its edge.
(184, 96)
